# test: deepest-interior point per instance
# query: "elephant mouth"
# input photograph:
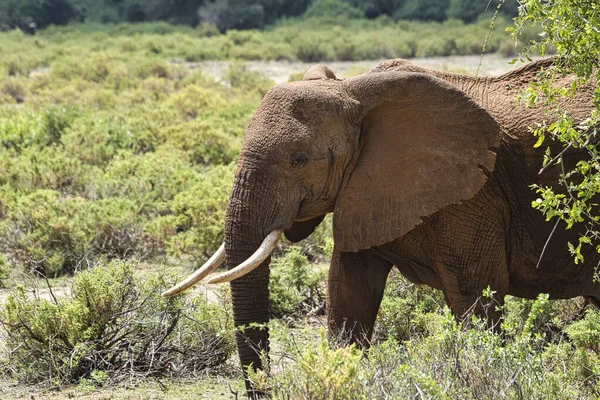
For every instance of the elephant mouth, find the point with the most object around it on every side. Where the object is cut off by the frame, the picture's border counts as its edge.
(264, 250)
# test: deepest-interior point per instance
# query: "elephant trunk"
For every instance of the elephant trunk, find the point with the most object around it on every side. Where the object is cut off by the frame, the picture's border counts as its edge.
(249, 213)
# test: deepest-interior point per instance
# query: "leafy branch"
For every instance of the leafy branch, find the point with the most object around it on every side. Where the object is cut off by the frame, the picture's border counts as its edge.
(569, 28)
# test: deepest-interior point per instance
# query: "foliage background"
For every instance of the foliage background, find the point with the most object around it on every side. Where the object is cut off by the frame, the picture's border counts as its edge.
(237, 14)
(573, 30)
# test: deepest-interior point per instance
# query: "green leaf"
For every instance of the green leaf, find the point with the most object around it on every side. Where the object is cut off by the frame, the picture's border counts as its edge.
(540, 141)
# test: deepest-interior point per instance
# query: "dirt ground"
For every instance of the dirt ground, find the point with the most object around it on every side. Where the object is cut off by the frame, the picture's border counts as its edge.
(209, 387)
(280, 71)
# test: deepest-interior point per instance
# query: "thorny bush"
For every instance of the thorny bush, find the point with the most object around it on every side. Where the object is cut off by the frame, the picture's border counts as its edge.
(115, 324)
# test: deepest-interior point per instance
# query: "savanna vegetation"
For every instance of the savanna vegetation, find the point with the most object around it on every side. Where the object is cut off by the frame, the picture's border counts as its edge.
(320, 30)
(116, 167)
(236, 14)
(116, 158)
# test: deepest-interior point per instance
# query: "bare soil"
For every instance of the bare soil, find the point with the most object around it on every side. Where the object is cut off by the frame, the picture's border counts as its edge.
(280, 71)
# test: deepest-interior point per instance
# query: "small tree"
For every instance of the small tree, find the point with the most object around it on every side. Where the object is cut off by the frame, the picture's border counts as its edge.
(572, 29)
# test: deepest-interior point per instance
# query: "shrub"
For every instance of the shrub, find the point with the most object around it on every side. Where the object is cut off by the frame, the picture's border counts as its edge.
(49, 167)
(207, 29)
(152, 179)
(40, 233)
(4, 270)
(585, 333)
(332, 8)
(117, 228)
(435, 46)
(524, 317)
(449, 361)
(41, 128)
(407, 310)
(317, 371)
(13, 66)
(312, 49)
(53, 235)
(200, 214)
(113, 325)
(295, 284)
(12, 91)
(96, 141)
(195, 101)
(239, 77)
(204, 142)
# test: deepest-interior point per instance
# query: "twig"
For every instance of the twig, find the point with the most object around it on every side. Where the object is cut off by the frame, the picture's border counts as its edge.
(553, 161)
(233, 392)
(50, 290)
(547, 242)
(587, 22)
(563, 151)
(489, 33)
(162, 385)
(169, 330)
(420, 391)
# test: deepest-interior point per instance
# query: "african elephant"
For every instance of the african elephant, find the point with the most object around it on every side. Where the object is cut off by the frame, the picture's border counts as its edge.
(425, 170)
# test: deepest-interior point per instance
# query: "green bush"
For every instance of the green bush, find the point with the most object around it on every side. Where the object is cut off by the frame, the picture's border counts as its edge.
(239, 77)
(204, 142)
(114, 326)
(152, 179)
(295, 284)
(317, 370)
(199, 214)
(524, 317)
(585, 333)
(4, 270)
(39, 128)
(99, 149)
(12, 91)
(310, 48)
(332, 8)
(194, 101)
(40, 234)
(407, 310)
(96, 141)
(449, 361)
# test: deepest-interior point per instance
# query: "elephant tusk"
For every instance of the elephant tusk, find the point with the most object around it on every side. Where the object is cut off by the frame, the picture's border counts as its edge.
(209, 266)
(260, 255)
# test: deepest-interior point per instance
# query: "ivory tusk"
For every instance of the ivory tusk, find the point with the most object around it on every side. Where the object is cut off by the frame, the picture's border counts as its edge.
(253, 261)
(209, 266)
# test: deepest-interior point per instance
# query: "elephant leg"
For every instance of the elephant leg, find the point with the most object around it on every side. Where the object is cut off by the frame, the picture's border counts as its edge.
(470, 255)
(464, 300)
(354, 291)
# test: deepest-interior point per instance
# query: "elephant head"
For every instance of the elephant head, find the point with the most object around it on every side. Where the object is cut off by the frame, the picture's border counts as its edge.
(381, 151)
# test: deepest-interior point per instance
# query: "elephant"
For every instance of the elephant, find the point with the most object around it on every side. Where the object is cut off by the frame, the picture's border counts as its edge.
(425, 170)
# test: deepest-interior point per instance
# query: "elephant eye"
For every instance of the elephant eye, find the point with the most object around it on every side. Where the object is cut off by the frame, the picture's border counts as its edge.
(299, 159)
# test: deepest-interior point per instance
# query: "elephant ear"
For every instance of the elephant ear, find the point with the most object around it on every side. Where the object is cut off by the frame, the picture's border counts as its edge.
(319, 72)
(302, 229)
(425, 145)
